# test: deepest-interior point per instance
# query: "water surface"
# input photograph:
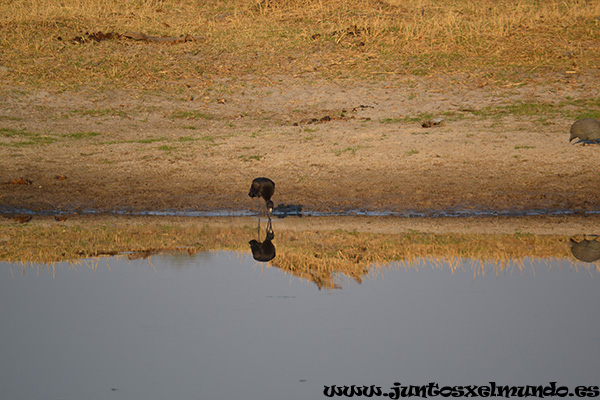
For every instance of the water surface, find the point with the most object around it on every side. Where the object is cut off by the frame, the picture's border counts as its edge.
(219, 325)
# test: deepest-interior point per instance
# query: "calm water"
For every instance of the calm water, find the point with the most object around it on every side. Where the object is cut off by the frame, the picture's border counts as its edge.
(222, 326)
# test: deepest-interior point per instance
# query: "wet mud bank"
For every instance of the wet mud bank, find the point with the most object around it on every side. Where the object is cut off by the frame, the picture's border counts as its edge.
(298, 212)
(567, 224)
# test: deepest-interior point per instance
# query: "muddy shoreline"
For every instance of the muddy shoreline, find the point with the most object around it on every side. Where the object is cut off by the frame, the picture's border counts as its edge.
(564, 225)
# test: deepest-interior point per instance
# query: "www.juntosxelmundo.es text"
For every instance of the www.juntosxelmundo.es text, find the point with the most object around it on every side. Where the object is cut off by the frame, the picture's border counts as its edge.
(434, 390)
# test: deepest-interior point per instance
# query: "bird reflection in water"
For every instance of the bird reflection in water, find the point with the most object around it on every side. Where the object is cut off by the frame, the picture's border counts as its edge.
(586, 250)
(263, 251)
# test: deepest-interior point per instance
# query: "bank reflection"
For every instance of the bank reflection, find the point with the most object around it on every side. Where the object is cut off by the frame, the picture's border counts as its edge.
(325, 258)
(330, 258)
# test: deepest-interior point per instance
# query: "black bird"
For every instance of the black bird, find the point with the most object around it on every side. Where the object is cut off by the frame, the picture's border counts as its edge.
(263, 187)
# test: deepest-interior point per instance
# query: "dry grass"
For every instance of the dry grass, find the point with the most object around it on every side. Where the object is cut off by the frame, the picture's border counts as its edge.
(329, 38)
(318, 256)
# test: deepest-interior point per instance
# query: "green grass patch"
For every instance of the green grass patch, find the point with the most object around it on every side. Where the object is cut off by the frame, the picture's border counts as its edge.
(588, 114)
(101, 112)
(574, 109)
(247, 158)
(391, 120)
(350, 149)
(10, 133)
(258, 133)
(184, 139)
(146, 141)
(411, 118)
(523, 108)
(32, 138)
(141, 141)
(182, 114)
(83, 135)
(9, 118)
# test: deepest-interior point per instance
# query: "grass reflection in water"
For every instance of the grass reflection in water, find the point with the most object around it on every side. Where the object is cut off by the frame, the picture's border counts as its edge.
(319, 256)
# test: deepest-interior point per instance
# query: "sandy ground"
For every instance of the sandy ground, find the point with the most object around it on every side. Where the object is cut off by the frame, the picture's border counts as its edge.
(199, 150)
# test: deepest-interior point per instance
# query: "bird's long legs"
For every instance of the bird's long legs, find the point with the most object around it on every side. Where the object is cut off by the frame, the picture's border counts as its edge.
(269, 228)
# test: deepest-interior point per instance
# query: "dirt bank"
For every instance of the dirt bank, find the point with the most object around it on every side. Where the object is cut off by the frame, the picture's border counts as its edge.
(328, 146)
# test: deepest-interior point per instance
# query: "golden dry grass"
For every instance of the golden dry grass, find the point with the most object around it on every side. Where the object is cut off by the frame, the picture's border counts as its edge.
(318, 256)
(332, 39)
